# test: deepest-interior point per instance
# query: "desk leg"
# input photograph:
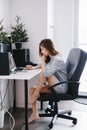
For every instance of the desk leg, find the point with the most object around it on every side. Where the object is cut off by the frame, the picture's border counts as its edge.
(26, 104)
(14, 91)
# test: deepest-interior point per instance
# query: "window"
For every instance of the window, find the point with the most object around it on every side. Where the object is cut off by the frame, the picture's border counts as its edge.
(82, 21)
(82, 38)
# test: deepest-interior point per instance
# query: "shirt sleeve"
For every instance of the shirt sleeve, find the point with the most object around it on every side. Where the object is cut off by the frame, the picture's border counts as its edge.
(52, 67)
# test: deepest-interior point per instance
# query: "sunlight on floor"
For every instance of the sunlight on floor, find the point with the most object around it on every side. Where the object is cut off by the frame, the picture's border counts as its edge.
(67, 125)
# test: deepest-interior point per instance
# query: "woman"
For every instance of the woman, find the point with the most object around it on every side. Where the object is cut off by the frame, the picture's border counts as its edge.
(53, 71)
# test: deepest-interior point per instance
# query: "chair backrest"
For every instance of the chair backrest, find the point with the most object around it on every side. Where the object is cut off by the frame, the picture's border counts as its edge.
(75, 64)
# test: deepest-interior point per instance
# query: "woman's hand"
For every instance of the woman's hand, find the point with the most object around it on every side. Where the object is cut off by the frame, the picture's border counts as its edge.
(29, 67)
(43, 58)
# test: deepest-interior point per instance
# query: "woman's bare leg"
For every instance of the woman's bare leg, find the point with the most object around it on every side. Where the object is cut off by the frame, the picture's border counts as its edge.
(34, 115)
(51, 80)
(36, 93)
(34, 106)
(36, 90)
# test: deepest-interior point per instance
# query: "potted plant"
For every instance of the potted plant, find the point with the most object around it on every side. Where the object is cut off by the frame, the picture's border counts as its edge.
(18, 33)
(4, 39)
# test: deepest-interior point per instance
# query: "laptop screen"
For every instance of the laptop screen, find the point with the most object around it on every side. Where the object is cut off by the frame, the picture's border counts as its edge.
(12, 64)
(13, 67)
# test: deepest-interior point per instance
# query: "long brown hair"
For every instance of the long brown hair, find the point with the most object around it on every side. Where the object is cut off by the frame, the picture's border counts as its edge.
(48, 44)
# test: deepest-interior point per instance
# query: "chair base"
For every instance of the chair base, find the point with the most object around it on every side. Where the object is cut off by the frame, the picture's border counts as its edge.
(55, 114)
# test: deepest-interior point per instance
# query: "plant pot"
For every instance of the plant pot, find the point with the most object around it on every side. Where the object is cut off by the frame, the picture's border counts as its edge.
(5, 47)
(2, 112)
(18, 45)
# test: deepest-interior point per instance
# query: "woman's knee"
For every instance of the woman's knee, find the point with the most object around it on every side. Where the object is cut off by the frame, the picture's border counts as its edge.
(32, 89)
(52, 80)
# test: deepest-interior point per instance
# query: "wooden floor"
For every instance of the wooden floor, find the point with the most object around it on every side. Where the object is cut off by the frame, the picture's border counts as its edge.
(79, 111)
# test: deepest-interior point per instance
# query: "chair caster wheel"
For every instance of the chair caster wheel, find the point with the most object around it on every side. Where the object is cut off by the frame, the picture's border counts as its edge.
(69, 113)
(51, 125)
(47, 110)
(75, 121)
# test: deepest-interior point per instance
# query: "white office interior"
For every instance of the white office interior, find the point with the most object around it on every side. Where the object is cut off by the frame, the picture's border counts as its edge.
(55, 19)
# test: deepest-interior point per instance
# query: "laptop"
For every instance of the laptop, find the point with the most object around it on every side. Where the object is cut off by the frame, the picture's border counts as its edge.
(13, 67)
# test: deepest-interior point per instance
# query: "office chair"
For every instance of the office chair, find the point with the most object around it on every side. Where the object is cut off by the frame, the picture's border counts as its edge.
(75, 64)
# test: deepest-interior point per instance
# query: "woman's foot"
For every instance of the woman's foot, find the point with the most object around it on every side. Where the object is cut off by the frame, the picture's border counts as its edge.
(33, 98)
(33, 118)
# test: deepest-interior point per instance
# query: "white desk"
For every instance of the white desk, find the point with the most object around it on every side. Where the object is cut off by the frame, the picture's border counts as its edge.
(23, 75)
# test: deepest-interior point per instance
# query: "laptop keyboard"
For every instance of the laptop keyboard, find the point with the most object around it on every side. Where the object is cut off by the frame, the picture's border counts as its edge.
(19, 68)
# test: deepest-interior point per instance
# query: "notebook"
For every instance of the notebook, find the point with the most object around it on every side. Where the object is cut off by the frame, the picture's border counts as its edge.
(13, 66)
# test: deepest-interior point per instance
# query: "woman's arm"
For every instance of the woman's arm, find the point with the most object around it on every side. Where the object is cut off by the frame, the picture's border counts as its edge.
(42, 65)
(30, 67)
(37, 66)
(43, 58)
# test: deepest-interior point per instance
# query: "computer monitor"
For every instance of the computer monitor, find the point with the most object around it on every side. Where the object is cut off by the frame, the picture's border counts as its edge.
(4, 63)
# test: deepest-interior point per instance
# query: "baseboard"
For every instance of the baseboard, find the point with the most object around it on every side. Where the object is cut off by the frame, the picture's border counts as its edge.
(82, 94)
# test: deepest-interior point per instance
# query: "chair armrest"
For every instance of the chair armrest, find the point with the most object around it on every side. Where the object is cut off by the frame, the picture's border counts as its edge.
(63, 82)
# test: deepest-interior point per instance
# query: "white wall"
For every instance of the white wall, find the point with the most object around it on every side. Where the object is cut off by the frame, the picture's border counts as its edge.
(64, 24)
(4, 14)
(40, 15)
(34, 15)
(50, 19)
